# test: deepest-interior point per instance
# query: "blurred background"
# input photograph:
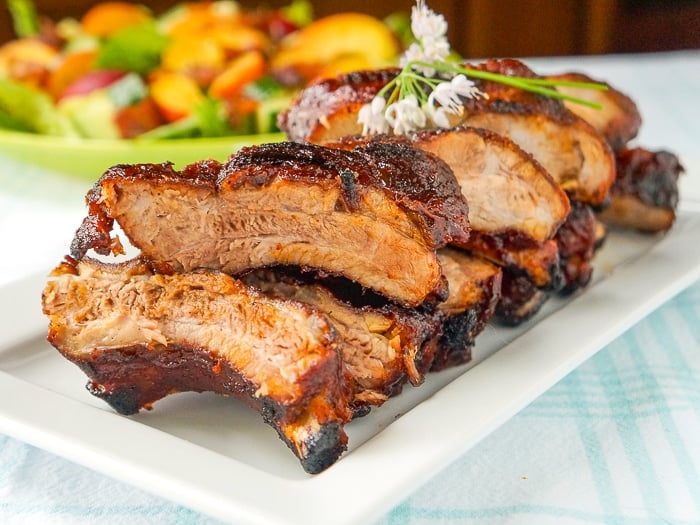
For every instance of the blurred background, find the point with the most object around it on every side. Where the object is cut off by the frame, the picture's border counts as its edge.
(487, 28)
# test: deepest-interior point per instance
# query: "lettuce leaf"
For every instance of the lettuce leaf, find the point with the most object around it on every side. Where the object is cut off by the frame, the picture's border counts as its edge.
(31, 109)
(136, 48)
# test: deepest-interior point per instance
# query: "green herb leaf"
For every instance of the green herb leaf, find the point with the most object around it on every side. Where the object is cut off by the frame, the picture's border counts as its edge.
(137, 48)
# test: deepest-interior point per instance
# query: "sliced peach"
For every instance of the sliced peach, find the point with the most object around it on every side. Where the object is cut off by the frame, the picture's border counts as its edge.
(344, 64)
(27, 60)
(108, 18)
(245, 68)
(73, 66)
(187, 53)
(334, 36)
(175, 94)
(198, 18)
(234, 38)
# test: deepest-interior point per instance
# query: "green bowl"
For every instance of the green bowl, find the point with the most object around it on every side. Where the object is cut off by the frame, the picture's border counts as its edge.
(89, 158)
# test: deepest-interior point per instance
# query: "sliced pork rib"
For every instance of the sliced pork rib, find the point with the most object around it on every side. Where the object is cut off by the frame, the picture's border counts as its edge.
(505, 187)
(382, 346)
(140, 336)
(618, 118)
(577, 239)
(520, 299)
(376, 216)
(327, 110)
(515, 207)
(475, 289)
(645, 193)
(569, 148)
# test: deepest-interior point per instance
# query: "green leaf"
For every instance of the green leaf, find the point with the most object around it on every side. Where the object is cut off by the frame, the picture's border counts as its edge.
(33, 109)
(211, 118)
(137, 48)
(207, 120)
(7, 121)
(264, 88)
(299, 12)
(180, 129)
(24, 17)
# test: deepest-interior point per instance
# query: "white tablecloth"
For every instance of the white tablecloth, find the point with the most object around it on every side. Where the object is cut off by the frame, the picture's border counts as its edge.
(616, 441)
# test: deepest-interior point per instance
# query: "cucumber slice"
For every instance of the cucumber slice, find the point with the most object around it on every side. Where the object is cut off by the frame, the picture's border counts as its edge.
(266, 114)
(92, 114)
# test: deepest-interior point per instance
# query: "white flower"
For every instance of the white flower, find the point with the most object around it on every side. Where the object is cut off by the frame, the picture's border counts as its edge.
(372, 117)
(430, 29)
(405, 115)
(449, 94)
(425, 23)
(446, 96)
(435, 48)
(437, 115)
(431, 50)
(413, 53)
(465, 87)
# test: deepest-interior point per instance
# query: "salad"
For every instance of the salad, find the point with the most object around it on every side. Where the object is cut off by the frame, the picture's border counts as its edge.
(206, 69)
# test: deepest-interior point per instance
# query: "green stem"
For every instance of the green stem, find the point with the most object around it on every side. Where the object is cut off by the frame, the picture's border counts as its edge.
(540, 86)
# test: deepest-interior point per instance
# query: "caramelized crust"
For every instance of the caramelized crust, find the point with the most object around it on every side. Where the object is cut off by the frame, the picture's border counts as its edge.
(568, 147)
(538, 261)
(520, 299)
(645, 193)
(376, 216)
(475, 289)
(515, 207)
(141, 336)
(327, 110)
(577, 240)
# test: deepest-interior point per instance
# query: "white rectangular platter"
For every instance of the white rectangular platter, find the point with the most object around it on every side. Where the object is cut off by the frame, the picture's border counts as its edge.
(214, 455)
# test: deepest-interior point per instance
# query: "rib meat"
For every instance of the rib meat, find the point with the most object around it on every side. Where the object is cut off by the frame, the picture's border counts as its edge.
(475, 289)
(520, 299)
(140, 336)
(515, 207)
(645, 193)
(375, 215)
(618, 118)
(577, 240)
(382, 346)
(568, 147)
(327, 110)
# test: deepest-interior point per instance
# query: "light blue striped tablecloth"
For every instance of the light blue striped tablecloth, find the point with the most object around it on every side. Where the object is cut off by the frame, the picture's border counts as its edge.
(617, 441)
